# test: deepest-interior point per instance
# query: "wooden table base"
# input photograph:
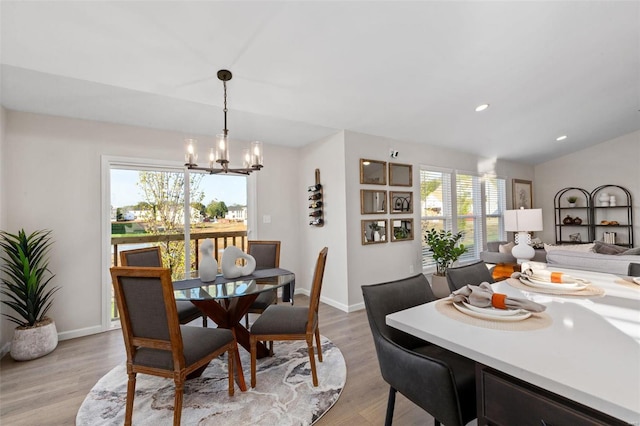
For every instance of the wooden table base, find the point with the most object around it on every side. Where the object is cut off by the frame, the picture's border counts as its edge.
(227, 313)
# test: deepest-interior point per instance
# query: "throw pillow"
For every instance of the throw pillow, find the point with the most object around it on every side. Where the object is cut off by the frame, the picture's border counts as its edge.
(571, 247)
(506, 248)
(605, 248)
(635, 251)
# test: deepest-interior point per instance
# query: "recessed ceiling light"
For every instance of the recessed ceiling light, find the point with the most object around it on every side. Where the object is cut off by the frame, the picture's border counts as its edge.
(561, 138)
(482, 107)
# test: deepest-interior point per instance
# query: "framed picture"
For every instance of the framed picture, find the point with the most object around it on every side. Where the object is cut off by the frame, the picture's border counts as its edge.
(374, 231)
(372, 201)
(522, 194)
(402, 230)
(400, 202)
(373, 172)
(400, 174)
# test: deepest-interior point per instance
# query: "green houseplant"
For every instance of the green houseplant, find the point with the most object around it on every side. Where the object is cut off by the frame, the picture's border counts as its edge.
(26, 286)
(445, 248)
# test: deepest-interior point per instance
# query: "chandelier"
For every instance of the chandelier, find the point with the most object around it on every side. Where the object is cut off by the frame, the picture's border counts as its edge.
(251, 157)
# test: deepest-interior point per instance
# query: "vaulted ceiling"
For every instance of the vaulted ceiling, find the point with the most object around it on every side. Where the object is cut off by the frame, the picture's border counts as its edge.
(411, 71)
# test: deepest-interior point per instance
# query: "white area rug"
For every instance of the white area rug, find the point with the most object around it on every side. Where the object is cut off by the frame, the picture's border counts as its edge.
(284, 394)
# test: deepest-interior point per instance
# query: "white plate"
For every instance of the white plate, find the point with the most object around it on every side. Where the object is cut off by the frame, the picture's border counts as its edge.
(552, 286)
(493, 311)
(481, 315)
(636, 280)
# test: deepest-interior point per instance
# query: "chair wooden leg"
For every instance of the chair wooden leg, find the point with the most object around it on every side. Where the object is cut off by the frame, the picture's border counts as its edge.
(204, 321)
(318, 344)
(436, 423)
(177, 403)
(312, 361)
(131, 391)
(254, 353)
(390, 405)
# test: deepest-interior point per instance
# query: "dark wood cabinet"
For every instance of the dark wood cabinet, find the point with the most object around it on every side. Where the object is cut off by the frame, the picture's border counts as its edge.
(506, 401)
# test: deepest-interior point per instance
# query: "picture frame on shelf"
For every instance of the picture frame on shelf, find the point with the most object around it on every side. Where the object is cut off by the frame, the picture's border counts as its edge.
(401, 201)
(522, 193)
(374, 231)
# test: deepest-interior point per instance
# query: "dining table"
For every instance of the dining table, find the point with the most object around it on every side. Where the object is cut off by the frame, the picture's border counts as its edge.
(227, 300)
(578, 359)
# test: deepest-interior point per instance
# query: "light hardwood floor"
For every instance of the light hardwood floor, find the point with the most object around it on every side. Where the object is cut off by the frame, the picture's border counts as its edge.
(49, 390)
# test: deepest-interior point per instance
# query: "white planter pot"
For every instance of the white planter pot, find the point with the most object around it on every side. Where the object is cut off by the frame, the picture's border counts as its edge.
(440, 286)
(32, 343)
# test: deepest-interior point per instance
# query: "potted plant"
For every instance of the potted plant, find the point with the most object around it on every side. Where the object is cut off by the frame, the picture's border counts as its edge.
(572, 200)
(446, 249)
(26, 284)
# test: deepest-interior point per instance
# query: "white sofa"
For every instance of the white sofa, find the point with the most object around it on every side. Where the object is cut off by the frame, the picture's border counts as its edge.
(590, 261)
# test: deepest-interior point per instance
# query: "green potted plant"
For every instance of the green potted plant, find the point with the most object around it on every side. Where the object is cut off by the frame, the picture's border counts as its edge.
(572, 200)
(26, 286)
(446, 249)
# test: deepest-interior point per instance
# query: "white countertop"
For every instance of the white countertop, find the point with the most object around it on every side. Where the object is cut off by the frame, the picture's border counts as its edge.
(590, 353)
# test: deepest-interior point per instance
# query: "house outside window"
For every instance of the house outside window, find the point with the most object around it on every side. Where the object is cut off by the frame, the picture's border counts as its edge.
(461, 201)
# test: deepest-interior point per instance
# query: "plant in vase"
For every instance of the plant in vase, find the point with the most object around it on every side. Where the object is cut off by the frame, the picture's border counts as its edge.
(572, 200)
(375, 231)
(26, 285)
(446, 249)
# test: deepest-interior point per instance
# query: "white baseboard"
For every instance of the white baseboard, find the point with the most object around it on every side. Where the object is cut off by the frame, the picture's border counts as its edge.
(334, 303)
(81, 332)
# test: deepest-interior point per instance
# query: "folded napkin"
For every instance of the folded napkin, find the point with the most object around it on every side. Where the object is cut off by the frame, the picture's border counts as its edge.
(551, 276)
(483, 296)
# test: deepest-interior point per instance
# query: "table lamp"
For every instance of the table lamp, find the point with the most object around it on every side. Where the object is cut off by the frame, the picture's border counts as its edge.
(522, 222)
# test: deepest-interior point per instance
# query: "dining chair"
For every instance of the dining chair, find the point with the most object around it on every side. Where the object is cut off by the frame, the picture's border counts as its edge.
(437, 380)
(634, 270)
(152, 257)
(285, 322)
(267, 255)
(155, 342)
(474, 274)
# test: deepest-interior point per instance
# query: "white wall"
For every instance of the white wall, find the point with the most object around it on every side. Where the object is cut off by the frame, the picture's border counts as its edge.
(327, 156)
(377, 263)
(52, 179)
(614, 162)
(6, 328)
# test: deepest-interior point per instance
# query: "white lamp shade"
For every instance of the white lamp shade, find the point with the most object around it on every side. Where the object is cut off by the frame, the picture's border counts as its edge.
(523, 220)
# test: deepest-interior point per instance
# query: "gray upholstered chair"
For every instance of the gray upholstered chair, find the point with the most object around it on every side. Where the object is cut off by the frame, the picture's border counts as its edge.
(152, 257)
(284, 322)
(267, 255)
(155, 341)
(634, 270)
(437, 380)
(474, 274)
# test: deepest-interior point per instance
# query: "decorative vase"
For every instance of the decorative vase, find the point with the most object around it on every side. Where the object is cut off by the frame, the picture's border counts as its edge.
(376, 236)
(208, 266)
(34, 342)
(440, 286)
(228, 263)
(604, 199)
(577, 221)
(567, 220)
(612, 201)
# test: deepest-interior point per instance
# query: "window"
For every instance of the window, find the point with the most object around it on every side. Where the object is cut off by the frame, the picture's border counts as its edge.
(146, 207)
(445, 191)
